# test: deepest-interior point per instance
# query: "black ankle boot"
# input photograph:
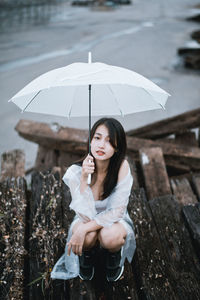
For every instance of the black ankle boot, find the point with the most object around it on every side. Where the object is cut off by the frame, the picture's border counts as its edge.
(113, 269)
(86, 261)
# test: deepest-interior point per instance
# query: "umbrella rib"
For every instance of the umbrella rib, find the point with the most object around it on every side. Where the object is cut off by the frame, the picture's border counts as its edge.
(30, 101)
(116, 100)
(153, 98)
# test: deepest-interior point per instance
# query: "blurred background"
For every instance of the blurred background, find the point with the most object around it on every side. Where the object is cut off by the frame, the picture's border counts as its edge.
(142, 35)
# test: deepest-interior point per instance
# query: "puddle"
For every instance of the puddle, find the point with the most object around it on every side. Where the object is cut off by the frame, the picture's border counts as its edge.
(13, 19)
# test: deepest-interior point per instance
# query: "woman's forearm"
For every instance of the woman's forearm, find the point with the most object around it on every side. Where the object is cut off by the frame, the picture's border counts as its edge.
(91, 226)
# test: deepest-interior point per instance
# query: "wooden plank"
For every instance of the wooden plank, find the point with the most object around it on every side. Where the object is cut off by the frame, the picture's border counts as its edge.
(154, 172)
(182, 190)
(150, 267)
(196, 185)
(48, 237)
(192, 218)
(185, 121)
(181, 257)
(13, 201)
(12, 164)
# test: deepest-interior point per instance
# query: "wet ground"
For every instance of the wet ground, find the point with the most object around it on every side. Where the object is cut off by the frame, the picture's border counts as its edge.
(143, 37)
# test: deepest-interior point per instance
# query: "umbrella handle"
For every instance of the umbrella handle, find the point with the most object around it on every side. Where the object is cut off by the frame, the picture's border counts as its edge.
(89, 179)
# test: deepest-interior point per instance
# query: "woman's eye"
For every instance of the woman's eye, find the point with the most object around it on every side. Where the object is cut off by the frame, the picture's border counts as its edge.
(96, 138)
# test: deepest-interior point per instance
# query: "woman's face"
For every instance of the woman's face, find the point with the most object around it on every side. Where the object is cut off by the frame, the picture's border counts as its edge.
(100, 145)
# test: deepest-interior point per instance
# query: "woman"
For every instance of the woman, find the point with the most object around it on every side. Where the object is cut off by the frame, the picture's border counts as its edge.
(101, 208)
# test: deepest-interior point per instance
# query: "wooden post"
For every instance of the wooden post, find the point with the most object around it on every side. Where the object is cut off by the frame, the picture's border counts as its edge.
(13, 247)
(12, 164)
(154, 171)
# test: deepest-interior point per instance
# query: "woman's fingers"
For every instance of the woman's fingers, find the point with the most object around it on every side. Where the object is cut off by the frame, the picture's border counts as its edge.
(69, 248)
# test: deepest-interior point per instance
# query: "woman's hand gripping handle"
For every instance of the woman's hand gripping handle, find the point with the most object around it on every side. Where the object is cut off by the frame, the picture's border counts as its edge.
(88, 168)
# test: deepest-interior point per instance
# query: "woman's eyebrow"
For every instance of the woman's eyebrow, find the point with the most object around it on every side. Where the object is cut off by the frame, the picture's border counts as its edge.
(101, 134)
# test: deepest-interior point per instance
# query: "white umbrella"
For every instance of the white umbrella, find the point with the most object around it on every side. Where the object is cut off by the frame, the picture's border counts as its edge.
(115, 91)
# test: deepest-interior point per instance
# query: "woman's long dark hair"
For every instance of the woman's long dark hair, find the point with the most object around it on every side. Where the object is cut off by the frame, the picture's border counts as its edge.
(118, 141)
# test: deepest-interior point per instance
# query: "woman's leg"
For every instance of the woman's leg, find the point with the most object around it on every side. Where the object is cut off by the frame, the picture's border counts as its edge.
(113, 237)
(90, 238)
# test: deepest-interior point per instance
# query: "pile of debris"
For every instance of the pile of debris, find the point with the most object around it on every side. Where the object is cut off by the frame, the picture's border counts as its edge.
(164, 206)
(191, 53)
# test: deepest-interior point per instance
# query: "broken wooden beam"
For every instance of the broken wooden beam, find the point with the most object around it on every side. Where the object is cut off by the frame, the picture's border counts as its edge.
(168, 126)
(12, 164)
(154, 172)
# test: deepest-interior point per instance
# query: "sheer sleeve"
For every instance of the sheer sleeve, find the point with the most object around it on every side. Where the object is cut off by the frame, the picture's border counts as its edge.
(117, 203)
(82, 203)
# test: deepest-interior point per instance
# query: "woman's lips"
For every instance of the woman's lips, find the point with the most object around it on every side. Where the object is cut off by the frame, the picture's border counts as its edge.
(100, 153)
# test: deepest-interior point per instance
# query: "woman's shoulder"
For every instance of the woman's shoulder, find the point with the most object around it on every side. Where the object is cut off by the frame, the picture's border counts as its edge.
(124, 170)
(73, 170)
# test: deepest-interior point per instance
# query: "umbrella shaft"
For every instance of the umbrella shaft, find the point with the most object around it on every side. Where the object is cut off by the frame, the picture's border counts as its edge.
(89, 118)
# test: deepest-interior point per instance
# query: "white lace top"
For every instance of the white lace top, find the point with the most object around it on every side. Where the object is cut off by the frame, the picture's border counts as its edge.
(85, 206)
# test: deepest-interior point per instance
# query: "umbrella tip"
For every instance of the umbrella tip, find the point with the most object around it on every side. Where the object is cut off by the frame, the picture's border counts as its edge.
(89, 57)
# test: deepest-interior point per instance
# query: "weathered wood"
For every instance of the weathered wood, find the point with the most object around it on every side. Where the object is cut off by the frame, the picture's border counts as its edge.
(168, 126)
(65, 159)
(185, 155)
(12, 164)
(46, 159)
(133, 172)
(150, 267)
(181, 257)
(196, 185)
(192, 217)
(154, 172)
(187, 138)
(47, 239)
(13, 201)
(65, 139)
(74, 141)
(182, 190)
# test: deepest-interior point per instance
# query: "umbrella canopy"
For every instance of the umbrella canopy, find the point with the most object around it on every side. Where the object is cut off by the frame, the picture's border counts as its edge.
(115, 91)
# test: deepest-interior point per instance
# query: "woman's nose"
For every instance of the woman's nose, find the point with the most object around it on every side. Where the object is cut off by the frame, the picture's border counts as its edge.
(101, 143)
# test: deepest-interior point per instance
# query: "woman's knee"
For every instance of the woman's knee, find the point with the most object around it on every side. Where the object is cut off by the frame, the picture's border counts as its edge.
(111, 239)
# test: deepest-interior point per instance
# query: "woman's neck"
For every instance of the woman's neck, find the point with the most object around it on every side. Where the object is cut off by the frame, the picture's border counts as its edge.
(102, 166)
